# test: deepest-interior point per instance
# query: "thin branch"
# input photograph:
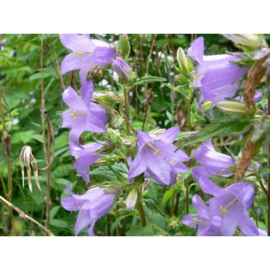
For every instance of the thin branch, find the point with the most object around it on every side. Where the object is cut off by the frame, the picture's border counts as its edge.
(25, 216)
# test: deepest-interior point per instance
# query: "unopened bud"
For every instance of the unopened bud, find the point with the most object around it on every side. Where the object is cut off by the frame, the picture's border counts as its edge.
(207, 106)
(26, 158)
(124, 47)
(182, 59)
(232, 107)
(132, 199)
(249, 41)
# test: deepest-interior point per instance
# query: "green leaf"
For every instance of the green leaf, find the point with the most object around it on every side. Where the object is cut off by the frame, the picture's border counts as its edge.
(54, 211)
(167, 196)
(148, 79)
(140, 231)
(225, 126)
(59, 223)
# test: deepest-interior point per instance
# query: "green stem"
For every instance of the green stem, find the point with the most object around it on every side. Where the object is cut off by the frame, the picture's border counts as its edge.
(189, 129)
(141, 212)
(172, 203)
(127, 109)
(189, 110)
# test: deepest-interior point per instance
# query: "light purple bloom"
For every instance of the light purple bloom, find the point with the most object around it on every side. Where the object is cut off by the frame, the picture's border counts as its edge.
(92, 205)
(207, 224)
(212, 162)
(122, 69)
(85, 157)
(86, 53)
(231, 204)
(83, 115)
(215, 74)
(157, 157)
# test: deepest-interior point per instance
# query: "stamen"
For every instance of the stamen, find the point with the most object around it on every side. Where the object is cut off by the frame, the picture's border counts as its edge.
(224, 210)
(79, 54)
(74, 114)
(157, 152)
(196, 220)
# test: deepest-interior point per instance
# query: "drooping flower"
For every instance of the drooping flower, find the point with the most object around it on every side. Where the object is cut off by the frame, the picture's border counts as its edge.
(92, 205)
(157, 157)
(207, 224)
(86, 54)
(231, 204)
(83, 115)
(85, 157)
(216, 75)
(212, 162)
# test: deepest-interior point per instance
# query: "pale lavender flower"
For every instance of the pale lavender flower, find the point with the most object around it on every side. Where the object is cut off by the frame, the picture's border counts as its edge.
(212, 162)
(156, 157)
(122, 69)
(216, 75)
(83, 115)
(92, 205)
(207, 224)
(86, 54)
(85, 157)
(231, 204)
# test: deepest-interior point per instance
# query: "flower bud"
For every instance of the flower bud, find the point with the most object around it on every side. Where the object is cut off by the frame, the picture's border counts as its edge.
(26, 158)
(124, 47)
(250, 41)
(123, 70)
(207, 106)
(232, 107)
(182, 59)
(132, 199)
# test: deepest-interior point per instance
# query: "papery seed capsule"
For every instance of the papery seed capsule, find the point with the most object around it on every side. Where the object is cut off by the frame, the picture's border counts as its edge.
(26, 158)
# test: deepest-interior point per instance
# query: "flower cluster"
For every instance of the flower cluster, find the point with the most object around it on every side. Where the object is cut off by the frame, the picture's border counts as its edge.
(88, 56)
(154, 156)
(227, 210)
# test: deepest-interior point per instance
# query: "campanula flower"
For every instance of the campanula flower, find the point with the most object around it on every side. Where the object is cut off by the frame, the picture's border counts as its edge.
(231, 204)
(212, 162)
(85, 157)
(86, 54)
(207, 224)
(92, 205)
(83, 115)
(156, 156)
(215, 75)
